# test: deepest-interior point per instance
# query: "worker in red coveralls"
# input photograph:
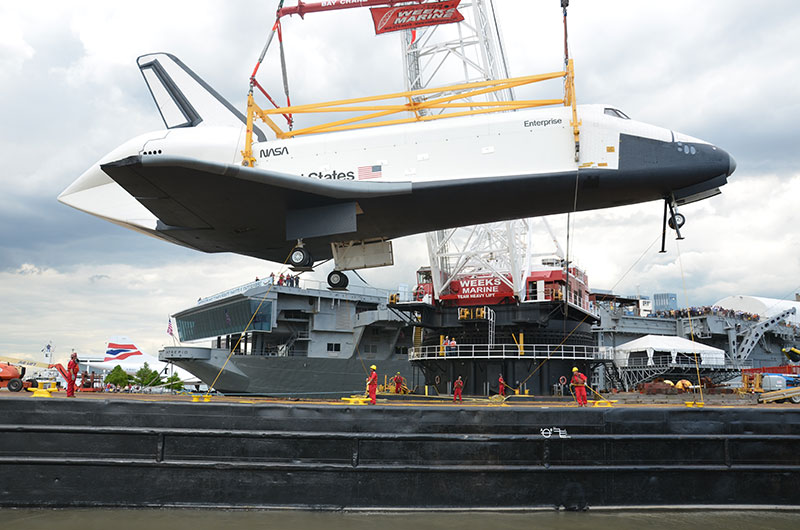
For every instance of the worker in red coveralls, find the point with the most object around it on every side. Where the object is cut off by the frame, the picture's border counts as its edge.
(398, 383)
(72, 374)
(458, 386)
(579, 384)
(502, 382)
(372, 383)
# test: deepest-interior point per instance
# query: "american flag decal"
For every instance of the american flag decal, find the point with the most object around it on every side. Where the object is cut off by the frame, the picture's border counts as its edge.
(369, 172)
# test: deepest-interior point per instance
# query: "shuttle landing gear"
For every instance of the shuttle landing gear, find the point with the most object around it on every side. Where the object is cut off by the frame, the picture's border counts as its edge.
(300, 258)
(675, 221)
(338, 280)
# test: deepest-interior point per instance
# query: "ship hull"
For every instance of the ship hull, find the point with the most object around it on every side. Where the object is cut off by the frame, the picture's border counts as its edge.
(66, 453)
(294, 376)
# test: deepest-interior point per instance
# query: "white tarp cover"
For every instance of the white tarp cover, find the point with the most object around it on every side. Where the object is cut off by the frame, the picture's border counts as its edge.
(766, 307)
(709, 356)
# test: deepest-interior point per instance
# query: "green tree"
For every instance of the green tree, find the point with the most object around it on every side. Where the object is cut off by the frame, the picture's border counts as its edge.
(118, 377)
(174, 382)
(146, 377)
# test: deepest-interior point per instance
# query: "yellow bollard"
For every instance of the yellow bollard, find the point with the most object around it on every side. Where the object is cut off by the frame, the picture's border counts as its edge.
(40, 392)
(207, 398)
(195, 398)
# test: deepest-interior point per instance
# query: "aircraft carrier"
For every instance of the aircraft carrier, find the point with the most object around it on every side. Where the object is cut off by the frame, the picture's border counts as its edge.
(311, 341)
(748, 332)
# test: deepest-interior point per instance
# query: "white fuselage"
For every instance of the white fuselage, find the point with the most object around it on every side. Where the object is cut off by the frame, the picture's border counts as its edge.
(524, 142)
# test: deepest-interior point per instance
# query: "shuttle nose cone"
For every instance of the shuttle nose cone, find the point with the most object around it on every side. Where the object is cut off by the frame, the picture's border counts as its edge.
(731, 165)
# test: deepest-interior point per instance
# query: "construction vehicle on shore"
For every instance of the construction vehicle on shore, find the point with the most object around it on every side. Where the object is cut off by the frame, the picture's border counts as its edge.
(11, 377)
(773, 383)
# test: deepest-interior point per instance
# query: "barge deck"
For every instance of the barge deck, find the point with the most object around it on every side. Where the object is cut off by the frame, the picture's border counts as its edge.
(233, 452)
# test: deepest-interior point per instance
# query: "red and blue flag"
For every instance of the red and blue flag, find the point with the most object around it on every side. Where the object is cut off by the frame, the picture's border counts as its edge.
(117, 352)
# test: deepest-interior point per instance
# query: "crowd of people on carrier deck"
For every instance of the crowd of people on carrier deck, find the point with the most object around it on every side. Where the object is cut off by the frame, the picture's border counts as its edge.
(283, 279)
(706, 310)
(716, 311)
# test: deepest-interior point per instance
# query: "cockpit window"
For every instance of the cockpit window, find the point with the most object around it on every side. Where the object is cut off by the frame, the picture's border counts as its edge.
(616, 113)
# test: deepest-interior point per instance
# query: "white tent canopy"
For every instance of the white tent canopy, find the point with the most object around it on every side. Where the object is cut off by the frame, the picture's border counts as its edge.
(766, 307)
(666, 344)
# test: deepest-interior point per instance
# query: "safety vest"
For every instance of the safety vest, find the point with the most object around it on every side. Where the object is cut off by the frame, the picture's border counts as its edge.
(578, 379)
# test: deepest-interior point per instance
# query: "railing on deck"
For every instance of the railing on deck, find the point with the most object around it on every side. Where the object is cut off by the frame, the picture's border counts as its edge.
(507, 351)
(682, 362)
(305, 284)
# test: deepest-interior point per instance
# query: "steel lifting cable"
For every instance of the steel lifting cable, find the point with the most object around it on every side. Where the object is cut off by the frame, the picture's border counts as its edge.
(574, 210)
(283, 73)
(276, 28)
(564, 5)
(691, 320)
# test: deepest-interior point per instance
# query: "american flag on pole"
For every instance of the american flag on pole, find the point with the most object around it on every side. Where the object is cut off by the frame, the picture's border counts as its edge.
(369, 172)
(169, 327)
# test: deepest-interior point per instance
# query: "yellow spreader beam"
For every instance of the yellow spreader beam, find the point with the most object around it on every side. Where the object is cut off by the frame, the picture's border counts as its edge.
(441, 100)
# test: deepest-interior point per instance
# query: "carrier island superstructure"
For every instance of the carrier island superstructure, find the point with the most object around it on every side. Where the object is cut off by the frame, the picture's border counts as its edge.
(303, 340)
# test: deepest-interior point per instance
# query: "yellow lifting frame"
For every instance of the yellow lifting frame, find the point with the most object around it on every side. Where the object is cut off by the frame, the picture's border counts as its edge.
(446, 100)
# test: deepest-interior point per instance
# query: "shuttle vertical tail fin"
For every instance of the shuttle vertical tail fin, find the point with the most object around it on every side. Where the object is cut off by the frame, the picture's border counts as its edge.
(183, 98)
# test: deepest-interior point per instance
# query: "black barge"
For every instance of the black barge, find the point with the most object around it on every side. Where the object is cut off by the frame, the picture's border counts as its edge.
(130, 453)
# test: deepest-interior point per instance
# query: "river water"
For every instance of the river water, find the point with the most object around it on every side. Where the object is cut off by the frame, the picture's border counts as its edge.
(193, 519)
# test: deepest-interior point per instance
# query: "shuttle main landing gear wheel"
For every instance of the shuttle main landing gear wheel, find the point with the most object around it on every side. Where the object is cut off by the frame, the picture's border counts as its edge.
(300, 258)
(338, 280)
(675, 221)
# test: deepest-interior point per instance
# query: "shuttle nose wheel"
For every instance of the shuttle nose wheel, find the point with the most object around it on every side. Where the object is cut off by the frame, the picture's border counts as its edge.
(338, 280)
(674, 220)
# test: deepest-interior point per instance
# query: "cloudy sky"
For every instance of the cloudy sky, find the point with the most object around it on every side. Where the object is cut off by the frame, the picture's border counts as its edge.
(723, 71)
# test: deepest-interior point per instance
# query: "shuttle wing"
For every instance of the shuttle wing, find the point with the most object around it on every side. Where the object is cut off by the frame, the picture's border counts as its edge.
(217, 207)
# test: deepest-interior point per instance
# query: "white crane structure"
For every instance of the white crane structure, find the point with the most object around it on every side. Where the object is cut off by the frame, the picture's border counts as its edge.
(470, 51)
(465, 52)
(505, 250)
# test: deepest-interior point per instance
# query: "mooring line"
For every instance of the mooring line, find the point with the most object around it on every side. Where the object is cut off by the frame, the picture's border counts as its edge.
(691, 320)
(263, 299)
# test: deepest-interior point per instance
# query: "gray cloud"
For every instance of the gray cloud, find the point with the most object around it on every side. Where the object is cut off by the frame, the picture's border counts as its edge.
(716, 70)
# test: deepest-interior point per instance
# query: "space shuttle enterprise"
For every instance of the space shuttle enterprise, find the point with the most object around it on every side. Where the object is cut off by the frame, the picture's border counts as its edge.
(213, 181)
